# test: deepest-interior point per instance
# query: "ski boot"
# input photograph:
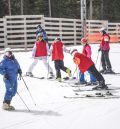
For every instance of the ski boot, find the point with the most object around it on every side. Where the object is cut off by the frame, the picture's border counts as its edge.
(68, 71)
(101, 86)
(29, 74)
(51, 75)
(7, 107)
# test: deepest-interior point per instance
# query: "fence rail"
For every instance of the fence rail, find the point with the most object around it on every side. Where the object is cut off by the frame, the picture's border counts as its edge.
(18, 32)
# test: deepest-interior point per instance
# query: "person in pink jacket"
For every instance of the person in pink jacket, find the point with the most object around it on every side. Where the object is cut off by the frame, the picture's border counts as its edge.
(87, 52)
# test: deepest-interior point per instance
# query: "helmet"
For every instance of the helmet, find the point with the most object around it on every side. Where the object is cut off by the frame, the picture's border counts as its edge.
(83, 40)
(73, 51)
(58, 39)
(39, 35)
(103, 29)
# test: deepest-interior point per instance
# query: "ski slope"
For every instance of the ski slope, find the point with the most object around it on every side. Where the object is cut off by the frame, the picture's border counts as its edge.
(52, 110)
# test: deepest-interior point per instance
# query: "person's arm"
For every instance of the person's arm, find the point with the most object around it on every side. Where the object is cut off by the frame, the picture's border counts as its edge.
(2, 68)
(89, 52)
(34, 51)
(48, 49)
(65, 49)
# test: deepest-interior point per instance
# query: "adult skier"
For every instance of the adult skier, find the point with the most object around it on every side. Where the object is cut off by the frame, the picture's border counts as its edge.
(9, 68)
(104, 48)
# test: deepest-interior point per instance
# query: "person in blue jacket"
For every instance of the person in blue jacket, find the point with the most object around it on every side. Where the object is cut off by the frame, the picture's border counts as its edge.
(9, 68)
(40, 30)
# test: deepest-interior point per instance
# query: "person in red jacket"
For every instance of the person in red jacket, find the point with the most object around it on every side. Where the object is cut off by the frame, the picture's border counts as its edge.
(57, 49)
(86, 64)
(40, 52)
(104, 48)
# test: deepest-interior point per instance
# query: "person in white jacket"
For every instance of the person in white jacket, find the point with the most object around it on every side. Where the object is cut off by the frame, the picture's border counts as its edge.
(40, 52)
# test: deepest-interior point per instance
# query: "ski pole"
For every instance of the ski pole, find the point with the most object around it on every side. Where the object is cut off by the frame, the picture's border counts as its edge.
(28, 91)
(23, 102)
(97, 57)
(48, 68)
(74, 72)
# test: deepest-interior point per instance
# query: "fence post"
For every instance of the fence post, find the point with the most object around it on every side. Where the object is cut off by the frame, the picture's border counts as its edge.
(25, 32)
(60, 28)
(75, 39)
(5, 32)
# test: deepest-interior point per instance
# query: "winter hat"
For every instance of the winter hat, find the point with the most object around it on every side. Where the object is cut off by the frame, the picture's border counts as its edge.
(83, 40)
(8, 51)
(73, 52)
(39, 27)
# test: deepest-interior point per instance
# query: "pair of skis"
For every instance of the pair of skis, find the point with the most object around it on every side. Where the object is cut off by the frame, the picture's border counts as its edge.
(89, 93)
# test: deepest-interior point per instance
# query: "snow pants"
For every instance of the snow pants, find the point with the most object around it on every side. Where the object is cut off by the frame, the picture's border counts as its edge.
(44, 60)
(11, 89)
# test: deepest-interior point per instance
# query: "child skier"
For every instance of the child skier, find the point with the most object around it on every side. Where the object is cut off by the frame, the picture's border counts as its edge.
(86, 64)
(40, 52)
(9, 68)
(57, 49)
(87, 52)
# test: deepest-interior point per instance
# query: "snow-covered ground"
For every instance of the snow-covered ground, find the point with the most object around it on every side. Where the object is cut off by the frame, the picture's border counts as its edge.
(52, 110)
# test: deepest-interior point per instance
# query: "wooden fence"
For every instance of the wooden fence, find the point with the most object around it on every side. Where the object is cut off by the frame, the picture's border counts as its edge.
(18, 32)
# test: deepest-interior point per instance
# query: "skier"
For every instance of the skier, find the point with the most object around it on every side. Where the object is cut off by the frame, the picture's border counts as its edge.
(40, 30)
(57, 49)
(9, 68)
(86, 64)
(40, 52)
(87, 52)
(104, 48)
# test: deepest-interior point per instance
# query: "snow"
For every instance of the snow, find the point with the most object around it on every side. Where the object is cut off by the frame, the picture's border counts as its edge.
(52, 110)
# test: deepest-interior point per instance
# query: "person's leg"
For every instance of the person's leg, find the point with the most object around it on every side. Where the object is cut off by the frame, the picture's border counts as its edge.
(103, 61)
(47, 66)
(57, 68)
(98, 76)
(82, 78)
(8, 95)
(64, 68)
(29, 72)
(92, 78)
(107, 60)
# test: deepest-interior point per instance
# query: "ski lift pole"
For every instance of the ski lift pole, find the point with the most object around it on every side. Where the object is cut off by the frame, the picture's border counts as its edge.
(28, 91)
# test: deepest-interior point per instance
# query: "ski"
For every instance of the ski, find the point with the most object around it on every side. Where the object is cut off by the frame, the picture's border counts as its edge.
(114, 73)
(34, 77)
(96, 95)
(82, 90)
(92, 97)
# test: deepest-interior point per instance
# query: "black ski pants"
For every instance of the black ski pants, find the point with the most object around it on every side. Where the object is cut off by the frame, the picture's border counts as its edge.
(59, 65)
(96, 74)
(105, 60)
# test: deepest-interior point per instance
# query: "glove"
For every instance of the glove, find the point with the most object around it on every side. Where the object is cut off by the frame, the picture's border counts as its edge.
(19, 71)
(99, 49)
(6, 77)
